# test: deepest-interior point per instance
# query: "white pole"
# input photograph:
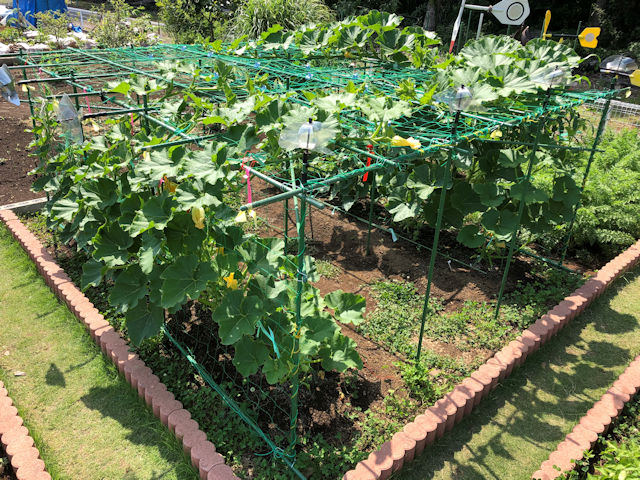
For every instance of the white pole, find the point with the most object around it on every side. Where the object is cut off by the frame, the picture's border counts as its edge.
(480, 25)
(456, 26)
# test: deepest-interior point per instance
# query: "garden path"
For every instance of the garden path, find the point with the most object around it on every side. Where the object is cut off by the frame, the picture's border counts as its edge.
(86, 420)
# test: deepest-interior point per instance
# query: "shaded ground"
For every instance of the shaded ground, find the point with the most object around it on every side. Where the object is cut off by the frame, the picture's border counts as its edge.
(515, 429)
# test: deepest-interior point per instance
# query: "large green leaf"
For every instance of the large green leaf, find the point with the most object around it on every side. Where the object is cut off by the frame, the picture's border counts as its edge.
(348, 307)
(130, 286)
(151, 246)
(202, 164)
(92, 273)
(403, 211)
(143, 321)
(320, 327)
(470, 236)
(249, 356)
(511, 158)
(464, 199)
(340, 354)
(275, 370)
(157, 165)
(111, 244)
(155, 213)
(381, 109)
(64, 209)
(525, 191)
(491, 194)
(185, 278)
(236, 316)
(101, 193)
(502, 223)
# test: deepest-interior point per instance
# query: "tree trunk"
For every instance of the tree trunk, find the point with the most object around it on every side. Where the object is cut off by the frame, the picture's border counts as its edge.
(429, 23)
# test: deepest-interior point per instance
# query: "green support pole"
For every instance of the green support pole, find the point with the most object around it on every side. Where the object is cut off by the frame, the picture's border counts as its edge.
(596, 142)
(372, 194)
(145, 101)
(286, 223)
(301, 278)
(514, 238)
(436, 236)
(575, 40)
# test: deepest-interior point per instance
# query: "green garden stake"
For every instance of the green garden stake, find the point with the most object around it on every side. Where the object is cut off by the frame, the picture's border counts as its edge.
(460, 101)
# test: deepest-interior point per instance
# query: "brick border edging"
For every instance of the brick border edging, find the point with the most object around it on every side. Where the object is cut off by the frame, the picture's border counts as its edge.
(597, 421)
(210, 464)
(457, 404)
(23, 455)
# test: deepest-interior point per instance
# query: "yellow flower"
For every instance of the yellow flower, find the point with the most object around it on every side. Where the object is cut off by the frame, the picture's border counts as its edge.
(398, 141)
(232, 283)
(168, 185)
(197, 215)
(496, 134)
(220, 250)
(241, 217)
(244, 216)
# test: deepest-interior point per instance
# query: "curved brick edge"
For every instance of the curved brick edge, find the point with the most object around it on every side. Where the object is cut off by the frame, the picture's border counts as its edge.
(596, 422)
(204, 457)
(449, 410)
(17, 443)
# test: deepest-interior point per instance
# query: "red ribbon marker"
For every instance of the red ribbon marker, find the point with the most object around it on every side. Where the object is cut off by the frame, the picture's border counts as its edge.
(370, 150)
(87, 99)
(247, 175)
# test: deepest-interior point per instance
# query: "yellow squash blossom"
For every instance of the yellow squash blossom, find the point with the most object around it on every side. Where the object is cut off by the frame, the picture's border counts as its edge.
(197, 215)
(168, 185)
(398, 141)
(232, 283)
(244, 216)
(496, 134)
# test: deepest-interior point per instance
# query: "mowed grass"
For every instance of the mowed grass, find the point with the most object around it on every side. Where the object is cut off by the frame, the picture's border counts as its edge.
(516, 428)
(87, 421)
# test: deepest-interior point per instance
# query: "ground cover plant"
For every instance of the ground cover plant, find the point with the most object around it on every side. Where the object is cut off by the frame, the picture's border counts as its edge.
(162, 247)
(615, 455)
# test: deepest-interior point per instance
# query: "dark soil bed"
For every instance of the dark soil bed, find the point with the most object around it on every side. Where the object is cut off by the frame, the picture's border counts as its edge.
(6, 472)
(15, 161)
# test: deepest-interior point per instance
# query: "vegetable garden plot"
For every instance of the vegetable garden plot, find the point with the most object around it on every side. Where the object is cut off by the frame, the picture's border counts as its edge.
(155, 200)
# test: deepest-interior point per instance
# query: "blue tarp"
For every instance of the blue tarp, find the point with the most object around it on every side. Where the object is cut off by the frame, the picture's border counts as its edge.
(30, 7)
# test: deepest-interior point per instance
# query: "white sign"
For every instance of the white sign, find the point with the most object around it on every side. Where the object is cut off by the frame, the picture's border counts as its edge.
(511, 12)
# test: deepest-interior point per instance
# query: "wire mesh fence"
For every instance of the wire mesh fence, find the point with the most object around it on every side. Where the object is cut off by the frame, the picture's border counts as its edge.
(621, 114)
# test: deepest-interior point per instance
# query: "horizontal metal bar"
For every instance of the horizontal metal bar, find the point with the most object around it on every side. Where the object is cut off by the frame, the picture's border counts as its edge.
(118, 112)
(284, 187)
(479, 8)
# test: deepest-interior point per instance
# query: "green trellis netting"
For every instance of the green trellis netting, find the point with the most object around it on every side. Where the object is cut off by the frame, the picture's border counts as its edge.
(271, 411)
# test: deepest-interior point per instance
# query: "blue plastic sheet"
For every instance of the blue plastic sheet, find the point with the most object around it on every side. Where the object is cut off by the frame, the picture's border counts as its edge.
(29, 8)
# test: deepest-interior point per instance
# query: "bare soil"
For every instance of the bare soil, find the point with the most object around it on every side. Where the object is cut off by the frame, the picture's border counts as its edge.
(15, 161)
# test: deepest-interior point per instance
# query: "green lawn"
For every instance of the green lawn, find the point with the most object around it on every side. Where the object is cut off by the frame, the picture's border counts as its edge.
(86, 420)
(516, 428)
